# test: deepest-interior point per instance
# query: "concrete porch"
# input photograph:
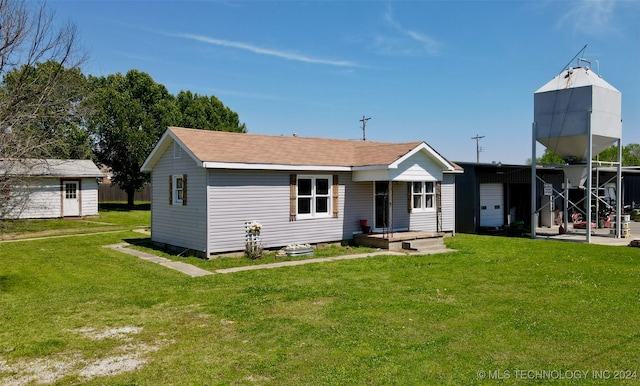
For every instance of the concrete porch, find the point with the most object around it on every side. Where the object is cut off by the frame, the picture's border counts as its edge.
(406, 240)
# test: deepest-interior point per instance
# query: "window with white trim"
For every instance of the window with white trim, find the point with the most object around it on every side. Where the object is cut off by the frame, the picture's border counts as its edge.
(314, 196)
(423, 195)
(178, 189)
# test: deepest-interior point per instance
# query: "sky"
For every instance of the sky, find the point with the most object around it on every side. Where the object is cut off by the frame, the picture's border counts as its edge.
(442, 72)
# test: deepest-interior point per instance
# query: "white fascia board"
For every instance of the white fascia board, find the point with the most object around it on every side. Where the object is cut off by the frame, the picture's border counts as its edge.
(250, 166)
(429, 150)
(454, 171)
(374, 167)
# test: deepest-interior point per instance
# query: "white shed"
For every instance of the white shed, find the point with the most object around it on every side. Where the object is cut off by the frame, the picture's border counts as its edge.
(48, 188)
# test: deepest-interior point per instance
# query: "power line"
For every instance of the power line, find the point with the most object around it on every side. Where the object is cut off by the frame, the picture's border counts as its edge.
(478, 138)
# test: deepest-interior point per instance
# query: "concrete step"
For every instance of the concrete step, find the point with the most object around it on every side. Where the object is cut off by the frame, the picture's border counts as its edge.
(423, 244)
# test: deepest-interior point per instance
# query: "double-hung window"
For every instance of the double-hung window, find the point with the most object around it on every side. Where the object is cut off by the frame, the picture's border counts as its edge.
(314, 196)
(423, 195)
(178, 189)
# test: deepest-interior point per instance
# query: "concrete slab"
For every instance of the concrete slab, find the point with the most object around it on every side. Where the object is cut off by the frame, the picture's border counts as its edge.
(193, 271)
(179, 266)
(598, 236)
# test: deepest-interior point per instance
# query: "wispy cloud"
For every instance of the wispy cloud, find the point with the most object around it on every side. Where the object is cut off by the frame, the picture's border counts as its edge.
(425, 42)
(590, 16)
(266, 51)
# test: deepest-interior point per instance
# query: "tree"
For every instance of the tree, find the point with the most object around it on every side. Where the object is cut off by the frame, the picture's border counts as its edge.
(130, 113)
(207, 113)
(36, 59)
(630, 154)
(549, 158)
(59, 127)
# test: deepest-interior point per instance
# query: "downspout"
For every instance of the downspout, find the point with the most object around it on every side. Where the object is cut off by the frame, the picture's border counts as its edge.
(391, 208)
(438, 206)
(207, 209)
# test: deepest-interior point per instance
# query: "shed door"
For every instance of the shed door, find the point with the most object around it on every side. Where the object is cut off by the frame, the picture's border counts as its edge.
(70, 199)
(491, 205)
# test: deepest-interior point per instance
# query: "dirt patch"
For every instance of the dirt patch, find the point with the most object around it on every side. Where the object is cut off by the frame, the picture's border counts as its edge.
(129, 356)
(112, 333)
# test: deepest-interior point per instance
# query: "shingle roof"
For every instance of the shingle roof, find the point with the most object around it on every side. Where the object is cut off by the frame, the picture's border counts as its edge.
(218, 146)
(49, 167)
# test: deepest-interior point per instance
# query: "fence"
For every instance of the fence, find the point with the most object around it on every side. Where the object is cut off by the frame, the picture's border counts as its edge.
(111, 193)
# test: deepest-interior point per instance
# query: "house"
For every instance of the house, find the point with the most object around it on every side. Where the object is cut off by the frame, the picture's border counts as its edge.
(207, 185)
(48, 188)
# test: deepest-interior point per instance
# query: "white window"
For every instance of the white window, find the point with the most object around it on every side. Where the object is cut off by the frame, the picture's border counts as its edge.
(314, 196)
(423, 195)
(178, 189)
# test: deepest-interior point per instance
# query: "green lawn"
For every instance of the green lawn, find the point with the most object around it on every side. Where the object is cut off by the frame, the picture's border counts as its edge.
(80, 313)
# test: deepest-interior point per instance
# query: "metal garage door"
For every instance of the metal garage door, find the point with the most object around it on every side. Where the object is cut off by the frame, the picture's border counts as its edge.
(491, 205)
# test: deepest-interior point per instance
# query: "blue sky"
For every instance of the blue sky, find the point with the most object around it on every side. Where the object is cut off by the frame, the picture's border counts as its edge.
(433, 71)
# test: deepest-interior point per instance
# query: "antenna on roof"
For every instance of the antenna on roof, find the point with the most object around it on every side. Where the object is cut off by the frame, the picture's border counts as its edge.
(364, 127)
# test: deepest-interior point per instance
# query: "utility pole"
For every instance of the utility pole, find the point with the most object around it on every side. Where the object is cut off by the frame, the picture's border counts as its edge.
(478, 138)
(364, 126)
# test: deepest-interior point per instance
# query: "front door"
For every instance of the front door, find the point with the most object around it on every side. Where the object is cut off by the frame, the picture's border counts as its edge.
(381, 204)
(70, 198)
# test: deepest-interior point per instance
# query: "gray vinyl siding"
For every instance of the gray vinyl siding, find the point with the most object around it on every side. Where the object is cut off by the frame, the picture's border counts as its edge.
(179, 225)
(448, 202)
(402, 219)
(428, 221)
(358, 205)
(238, 196)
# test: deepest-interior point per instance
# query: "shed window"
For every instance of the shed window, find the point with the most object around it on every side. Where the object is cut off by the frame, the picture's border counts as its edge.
(313, 196)
(178, 189)
(423, 195)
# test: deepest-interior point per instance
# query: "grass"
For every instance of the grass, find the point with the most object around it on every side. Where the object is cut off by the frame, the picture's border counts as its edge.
(112, 216)
(239, 260)
(496, 305)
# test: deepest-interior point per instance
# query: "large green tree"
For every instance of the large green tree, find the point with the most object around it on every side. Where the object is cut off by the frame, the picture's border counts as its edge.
(130, 113)
(52, 121)
(207, 113)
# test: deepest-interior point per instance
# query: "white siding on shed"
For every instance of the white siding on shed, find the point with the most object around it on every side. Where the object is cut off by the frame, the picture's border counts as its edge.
(41, 197)
(38, 198)
(89, 197)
